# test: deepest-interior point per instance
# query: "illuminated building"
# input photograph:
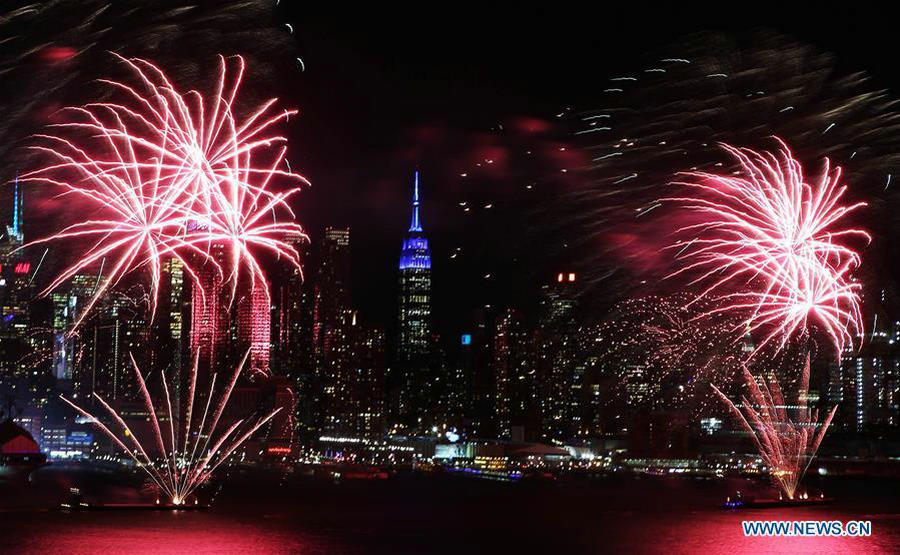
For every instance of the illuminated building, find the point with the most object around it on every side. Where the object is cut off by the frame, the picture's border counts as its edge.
(331, 296)
(414, 335)
(15, 273)
(65, 306)
(345, 395)
(292, 346)
(354, 392)
(292, 319)
(638, 388)
(476, 357)
(415, 288)
(558, 359)
(117, 328)
(331, 317)
(209, 317)
(462, 392)
(22, 366)
(173, 270)
(228, 322)
(254, 328)
(514, 367)
(15, 231)
(867, 380)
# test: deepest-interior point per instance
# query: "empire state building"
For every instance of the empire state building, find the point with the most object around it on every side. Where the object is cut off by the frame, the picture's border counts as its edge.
(414, 325)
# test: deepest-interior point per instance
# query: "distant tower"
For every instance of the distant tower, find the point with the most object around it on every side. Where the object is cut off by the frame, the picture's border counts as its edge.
(254, 323)
(15, 231)
(223, 326)
(15, 234)
(209, 317)
(415, 289)
(330, 321)
(331, 295)
(410, 384)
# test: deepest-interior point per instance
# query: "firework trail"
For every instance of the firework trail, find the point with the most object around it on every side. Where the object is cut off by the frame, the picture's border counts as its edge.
(171, 174)
(787, 446)
(189, 451)
(779, 240)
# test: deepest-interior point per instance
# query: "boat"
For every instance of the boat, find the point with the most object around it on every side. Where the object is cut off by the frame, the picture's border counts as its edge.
(75, 502)
(804, 500)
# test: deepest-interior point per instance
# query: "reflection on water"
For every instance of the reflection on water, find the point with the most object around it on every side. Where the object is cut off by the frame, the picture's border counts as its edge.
(453, 515)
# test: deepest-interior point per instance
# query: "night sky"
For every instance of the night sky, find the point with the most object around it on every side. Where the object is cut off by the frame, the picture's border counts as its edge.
(440, 88)
(386, 91)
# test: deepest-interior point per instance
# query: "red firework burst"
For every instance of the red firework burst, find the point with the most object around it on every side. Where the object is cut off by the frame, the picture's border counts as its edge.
(770, 244)
(169, 174)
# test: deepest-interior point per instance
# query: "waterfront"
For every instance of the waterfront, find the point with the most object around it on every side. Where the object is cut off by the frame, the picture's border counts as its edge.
(448, 514)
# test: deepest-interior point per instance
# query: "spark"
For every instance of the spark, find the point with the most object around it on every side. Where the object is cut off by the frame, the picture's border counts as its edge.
(626, 178)
(39, 265)
(648, 209)
(593, 130)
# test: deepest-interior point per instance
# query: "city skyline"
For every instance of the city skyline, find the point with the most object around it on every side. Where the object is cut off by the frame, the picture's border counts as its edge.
(282, 279)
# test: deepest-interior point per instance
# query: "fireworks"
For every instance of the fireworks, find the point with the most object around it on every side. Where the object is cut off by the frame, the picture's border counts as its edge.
(670, 113)
(779, 241)
(673, 350)
(787, 446)
(52, 50)
(660, 352)
(170, 174)
(197, 445)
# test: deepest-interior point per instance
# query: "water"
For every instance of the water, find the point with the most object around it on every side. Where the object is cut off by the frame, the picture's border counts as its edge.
(424, 514)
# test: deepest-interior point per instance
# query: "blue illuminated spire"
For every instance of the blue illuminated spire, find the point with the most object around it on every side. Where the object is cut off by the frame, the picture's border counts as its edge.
(415, 252)
(415, 225)
(14, 231)
(17, 208)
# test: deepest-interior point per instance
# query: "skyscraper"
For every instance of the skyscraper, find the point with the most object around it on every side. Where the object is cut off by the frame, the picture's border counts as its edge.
(209, 317)
(17, 343)
(515, 374)
(254, 329)
(414, 320)
(15, 271)
(558, 354)
(331, 316)
(292, 318)
(228, 319)
(353, 397)
(415, 288)
(331, 295)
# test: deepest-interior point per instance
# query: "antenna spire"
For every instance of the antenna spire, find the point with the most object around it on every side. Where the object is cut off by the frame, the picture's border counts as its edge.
(415, 225)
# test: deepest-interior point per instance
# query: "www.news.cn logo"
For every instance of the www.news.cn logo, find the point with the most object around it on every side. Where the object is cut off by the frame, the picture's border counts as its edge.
(813, 528)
